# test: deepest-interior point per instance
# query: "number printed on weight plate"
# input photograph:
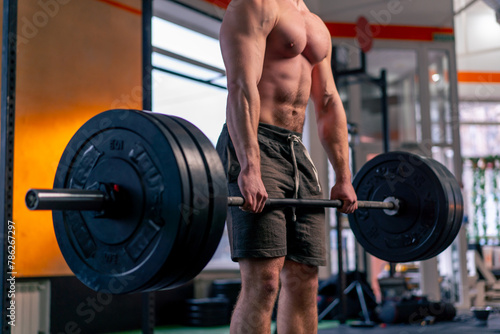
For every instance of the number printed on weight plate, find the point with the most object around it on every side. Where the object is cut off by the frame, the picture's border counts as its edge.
(116, 145)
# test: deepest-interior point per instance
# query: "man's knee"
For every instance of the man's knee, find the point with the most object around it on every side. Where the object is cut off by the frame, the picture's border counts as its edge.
(264, 286)
(261, 281)
(296, 276)
(269, 286)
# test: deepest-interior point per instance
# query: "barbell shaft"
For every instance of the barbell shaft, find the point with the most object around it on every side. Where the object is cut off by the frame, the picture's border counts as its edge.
(322, 203)
(66, 199)
(95, 200)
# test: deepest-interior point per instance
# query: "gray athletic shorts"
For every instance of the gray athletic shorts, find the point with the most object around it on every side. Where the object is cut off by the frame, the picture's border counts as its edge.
(287, 172)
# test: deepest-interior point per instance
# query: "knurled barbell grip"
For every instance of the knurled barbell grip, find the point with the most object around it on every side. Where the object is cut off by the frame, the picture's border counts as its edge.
(323, 203)
(65, 199)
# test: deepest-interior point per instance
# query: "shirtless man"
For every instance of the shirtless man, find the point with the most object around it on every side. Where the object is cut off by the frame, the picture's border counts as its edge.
(277, 55)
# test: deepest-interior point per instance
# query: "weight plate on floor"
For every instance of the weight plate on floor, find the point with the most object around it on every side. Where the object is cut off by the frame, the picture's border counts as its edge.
(222, 321)
(206, 309)
(413, 233)
(210, 302)
(122, 251)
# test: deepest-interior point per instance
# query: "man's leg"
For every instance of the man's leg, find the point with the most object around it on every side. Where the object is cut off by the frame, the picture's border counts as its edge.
(297, 306)
(259, 288)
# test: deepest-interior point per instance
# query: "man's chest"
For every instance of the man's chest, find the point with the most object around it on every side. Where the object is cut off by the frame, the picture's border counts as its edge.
(299, 33)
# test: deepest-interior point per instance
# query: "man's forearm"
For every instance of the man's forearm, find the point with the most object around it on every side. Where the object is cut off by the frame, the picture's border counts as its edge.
(243, 113)
(332, 128)
(338, 154)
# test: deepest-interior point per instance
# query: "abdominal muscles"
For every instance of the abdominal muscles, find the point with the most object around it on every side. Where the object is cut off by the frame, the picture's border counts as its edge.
(284, 92)
(296, 44)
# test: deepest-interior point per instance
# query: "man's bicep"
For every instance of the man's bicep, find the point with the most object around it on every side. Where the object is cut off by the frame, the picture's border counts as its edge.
(323, 88)
(243, 37)
(242, 58)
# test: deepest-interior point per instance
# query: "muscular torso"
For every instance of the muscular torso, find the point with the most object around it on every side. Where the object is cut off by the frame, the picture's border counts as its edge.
(297, 42)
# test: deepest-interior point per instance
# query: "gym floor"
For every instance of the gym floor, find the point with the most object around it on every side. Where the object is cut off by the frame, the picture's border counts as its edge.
(463, 323)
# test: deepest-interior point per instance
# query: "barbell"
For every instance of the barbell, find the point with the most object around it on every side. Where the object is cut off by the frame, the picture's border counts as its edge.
(105, 200)
(140, 202)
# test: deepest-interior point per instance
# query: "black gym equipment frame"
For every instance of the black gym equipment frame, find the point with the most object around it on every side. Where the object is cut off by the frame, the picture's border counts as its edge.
(7, 121)
(7, 127)
(148, 298)
(354, 76)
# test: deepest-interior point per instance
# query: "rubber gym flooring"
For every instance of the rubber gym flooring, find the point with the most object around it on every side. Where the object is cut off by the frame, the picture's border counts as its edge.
(463, 323)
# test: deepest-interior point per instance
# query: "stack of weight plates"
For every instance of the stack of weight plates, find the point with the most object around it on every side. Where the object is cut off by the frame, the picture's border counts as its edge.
(430, 214)
(226, 288)
(173, 202)
(207, 312)
(205, 213)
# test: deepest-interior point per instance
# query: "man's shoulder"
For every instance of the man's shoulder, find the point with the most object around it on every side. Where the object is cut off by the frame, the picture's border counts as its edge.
(264, 10)
(252, 2)
(261, 4)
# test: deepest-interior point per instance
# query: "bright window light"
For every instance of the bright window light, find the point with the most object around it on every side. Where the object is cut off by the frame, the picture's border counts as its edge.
(184, 68)
(185, 42)
(201, 104)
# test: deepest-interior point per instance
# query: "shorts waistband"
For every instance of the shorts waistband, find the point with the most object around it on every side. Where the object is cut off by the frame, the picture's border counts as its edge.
(277, 133)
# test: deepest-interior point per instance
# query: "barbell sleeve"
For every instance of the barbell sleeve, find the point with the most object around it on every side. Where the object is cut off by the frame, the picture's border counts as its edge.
(322, 203)
(65, 199)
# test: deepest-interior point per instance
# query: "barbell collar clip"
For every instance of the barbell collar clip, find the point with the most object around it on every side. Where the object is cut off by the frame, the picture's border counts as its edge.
(397, 206)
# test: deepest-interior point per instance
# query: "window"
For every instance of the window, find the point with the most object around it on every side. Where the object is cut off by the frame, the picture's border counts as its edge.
(189, 81)
(188, 77)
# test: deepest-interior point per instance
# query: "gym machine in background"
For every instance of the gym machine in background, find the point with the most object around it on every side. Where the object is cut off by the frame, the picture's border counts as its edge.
(7, 120)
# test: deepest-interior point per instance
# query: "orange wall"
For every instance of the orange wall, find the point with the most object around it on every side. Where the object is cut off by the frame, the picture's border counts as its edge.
(75, 59)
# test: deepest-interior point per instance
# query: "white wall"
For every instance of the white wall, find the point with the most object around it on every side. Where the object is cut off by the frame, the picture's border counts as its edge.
(395, 12)
(478, 49)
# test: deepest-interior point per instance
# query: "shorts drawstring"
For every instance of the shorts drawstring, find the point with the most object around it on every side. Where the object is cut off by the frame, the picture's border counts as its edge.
(292, 139)
(306, 153)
